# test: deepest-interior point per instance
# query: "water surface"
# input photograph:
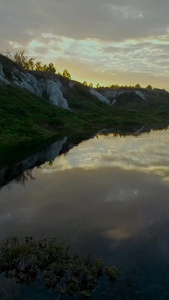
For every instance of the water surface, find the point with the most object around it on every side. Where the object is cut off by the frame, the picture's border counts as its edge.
(108, 196)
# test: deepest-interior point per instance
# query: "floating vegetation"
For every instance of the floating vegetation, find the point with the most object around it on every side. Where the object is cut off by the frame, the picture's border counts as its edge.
(50, 262)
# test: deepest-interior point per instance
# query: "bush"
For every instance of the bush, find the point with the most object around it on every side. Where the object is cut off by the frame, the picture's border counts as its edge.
(29, 260)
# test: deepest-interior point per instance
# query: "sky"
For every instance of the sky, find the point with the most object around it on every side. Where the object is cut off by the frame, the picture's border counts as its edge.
(106, 42)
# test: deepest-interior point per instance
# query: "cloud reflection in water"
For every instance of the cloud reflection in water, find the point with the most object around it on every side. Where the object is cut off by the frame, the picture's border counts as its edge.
(145, 153)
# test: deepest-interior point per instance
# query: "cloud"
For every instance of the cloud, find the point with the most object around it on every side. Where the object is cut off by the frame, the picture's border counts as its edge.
(126, 36)
(108, 20)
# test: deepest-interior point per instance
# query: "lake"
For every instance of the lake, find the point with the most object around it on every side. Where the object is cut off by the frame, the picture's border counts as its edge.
(108, 196)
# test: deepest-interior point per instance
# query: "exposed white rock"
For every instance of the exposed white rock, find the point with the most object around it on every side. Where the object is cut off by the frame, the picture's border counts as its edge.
(120, 93)
(114, 102)
(36, 85)
(55, 94)
(52, 88)
(26, 85)
(141, 95)
(99, 96)
(3, 80)
(2, 76)
(111, 94)
(114, 94)
(28, 82)
(1, 70)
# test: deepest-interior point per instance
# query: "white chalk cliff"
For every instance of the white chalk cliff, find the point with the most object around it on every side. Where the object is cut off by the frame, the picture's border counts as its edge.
(52, 88)
(99, 96)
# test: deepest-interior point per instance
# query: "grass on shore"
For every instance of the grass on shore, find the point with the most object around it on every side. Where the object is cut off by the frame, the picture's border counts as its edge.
(27, 119)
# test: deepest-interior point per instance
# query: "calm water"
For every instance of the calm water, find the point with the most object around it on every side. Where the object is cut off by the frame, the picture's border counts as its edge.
(108, 196)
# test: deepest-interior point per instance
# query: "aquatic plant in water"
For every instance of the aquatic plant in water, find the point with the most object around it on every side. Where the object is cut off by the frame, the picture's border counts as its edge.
(48, 260)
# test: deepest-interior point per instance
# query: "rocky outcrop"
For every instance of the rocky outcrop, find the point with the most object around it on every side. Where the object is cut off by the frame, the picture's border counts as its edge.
(56, 89)
(55, 94)
(99, 96)
(141, 95)
(2, 76)
(114, 95)
(134, 96)
(51, 88)
(48, 86)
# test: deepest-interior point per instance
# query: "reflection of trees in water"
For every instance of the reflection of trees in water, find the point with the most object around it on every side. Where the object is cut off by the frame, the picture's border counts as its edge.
(51, 162)
(21, 172)
(27, 174)
(24, 177)
(20, 176)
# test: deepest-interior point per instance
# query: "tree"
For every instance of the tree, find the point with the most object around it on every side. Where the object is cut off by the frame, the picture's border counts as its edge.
(50, 68)
(137, 85)
(97, 85)
(85, 82)
(38, 66)
(91, 84)
(149, 87)
(28, 63)
(66, 74)
(22, 59)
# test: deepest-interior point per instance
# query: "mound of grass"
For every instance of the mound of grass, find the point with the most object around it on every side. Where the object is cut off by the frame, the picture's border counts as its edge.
(25, 117)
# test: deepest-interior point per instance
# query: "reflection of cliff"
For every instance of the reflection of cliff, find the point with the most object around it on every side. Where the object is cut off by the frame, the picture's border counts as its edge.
(21, 171)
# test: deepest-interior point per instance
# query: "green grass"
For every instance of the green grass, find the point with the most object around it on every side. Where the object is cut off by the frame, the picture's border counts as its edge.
(100, 115)
(27, 119)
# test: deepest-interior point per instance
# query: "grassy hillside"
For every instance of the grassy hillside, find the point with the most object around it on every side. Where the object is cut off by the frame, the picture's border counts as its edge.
(128, 116)
(26, 119)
